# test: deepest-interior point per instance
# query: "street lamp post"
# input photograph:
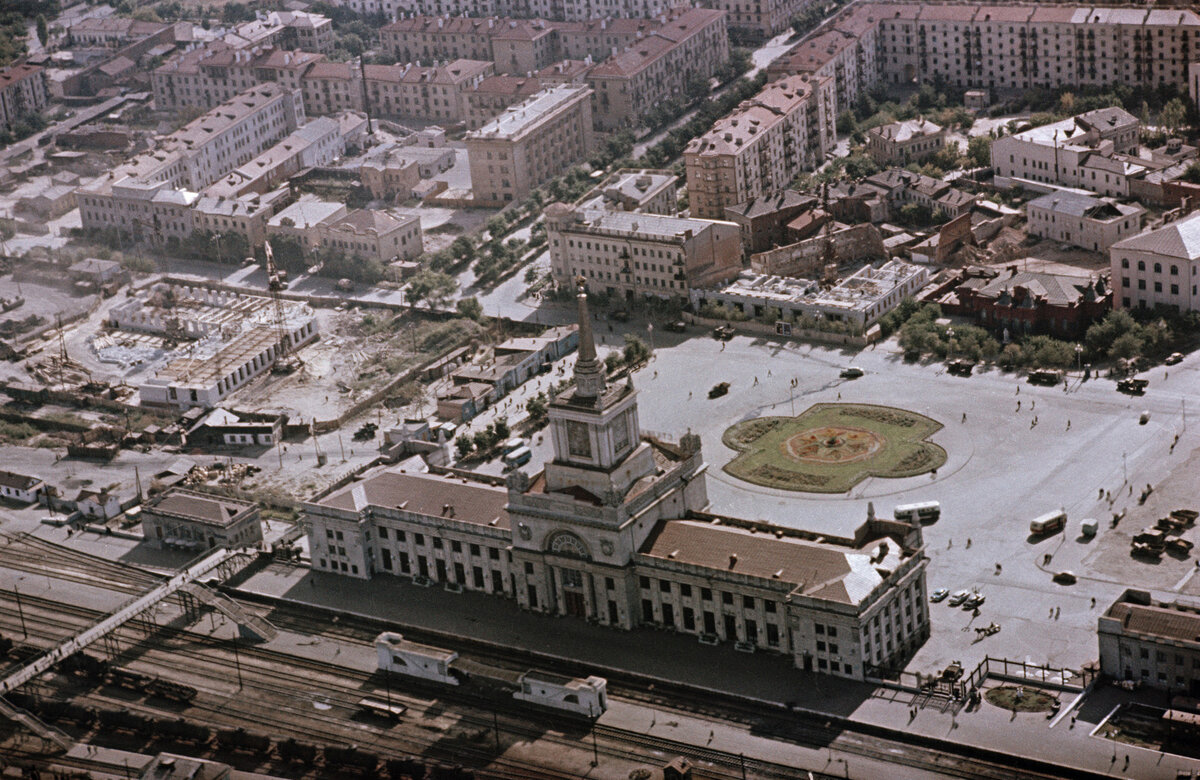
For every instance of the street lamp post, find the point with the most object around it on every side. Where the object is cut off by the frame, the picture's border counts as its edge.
(1079, 357)
(950, 343)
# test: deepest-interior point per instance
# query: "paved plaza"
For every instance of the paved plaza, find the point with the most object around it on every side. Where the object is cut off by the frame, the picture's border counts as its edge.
(1004, 467)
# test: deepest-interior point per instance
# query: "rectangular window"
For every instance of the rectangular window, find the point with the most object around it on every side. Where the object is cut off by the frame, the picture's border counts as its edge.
(769, 606)
(685, 591)
(437, 543)
(644, 583)
(748, 602)
(387, 558)
(528, 568)
(383, 532)
(404, 567)
(664, 586)
(494, 553)
(609, 584)
(706, 594)
(727, 598)
(647, 610)
(474, 549)
(419, 539)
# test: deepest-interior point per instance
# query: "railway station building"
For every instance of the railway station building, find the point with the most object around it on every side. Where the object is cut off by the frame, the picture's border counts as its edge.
(197, 521)
(616, 530)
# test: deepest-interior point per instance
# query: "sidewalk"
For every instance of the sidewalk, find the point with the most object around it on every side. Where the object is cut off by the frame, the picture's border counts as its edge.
(680, 658)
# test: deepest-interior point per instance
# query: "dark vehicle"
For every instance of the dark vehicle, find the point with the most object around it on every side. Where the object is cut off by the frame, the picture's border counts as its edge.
(366, 432)
(723, 332)
(64, 710)
(1133, 386)
(172, 691)
(619, 316)
(84, 665)
(297, 752)
(351, 758)
(961, 367)
(245, 741)
(1180, 545)
(851, 372)
(130, 681)
(1066, 578)
(1045, 376)
(718, 390)
(1146, 550)
(181, 730)
(124, 720)
(679, 326)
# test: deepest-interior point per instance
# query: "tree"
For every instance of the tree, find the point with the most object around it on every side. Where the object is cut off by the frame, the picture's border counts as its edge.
(979, 149)
(1173, 116)
(500, 429)
(1066, 104)
(464, 445)
(636, 351)
(914, 214)
(43, 32)
(846, 124)
(463, 248)
(470, 308)
(431, 286)
(538, 410)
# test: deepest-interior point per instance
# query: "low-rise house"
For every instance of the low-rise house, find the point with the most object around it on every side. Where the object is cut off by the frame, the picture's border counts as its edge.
(1028, 303)
(1159, 267)
(184, 518)
(375, 234)
(21, 488)
(93, 274)
(304, 219)
(645, 190)
(901, 143)
(764, 220)
(1083, 220)
(98, 504)
(460, 403)
(225, 428)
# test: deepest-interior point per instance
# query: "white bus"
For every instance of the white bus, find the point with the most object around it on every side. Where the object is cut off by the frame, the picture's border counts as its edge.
(925, 511)
(1049, 523)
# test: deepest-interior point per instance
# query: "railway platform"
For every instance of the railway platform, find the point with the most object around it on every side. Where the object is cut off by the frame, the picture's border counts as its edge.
(678, 658)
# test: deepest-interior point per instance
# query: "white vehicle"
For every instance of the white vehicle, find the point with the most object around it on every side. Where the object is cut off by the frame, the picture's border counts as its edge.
(925, 511)
(959, 597)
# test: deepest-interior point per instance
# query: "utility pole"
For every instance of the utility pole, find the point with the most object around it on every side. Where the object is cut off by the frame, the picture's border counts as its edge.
(20, 612)
(362, 69)
(496, 729)
(237, 661)
(595, 749)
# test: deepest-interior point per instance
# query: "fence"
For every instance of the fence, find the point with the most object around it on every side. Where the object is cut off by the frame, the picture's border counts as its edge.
(1022, 671)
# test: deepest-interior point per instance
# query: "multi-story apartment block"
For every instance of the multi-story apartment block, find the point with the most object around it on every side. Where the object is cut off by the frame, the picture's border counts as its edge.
(333, 86)
(111, 32)
(759, 148)
(208, 75)
(436, 93)
(515, 46)
(1082, 220)
(1155, 643)
(318, 142)
(1000, 47)
(900, 143)
(491, 96)
(150, 196)
(286, 30)
(529, 143)
(22, 92)
(613, 530)
(558, 10)
(658, 67)
(246, 215)
(761, 20)
(634, 254)
(1159, 267)
(376, 235)
(1083, 151)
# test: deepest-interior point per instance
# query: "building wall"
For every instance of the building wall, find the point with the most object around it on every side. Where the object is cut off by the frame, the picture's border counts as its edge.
(404, 242)
(1144, 280)
(25, 94)
(158, 528)
(507, 169)
(887, 151)
(1093, 234)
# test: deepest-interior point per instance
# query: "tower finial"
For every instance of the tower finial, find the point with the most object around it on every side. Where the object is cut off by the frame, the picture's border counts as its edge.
(589, 370)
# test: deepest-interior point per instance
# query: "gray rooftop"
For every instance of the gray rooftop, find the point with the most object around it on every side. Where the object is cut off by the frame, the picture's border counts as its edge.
(526, 115)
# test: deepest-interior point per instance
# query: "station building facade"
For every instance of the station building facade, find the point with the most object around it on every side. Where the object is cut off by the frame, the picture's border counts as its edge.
(614, 530)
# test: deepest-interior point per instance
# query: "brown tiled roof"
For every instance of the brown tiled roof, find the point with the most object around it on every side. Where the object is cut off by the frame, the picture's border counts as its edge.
(635, 58)
(15, 481)
(819, 570)
(1158, 621)
(507, 85)
(15, 73)
(331, 70)
(211, 510)
(427, 494)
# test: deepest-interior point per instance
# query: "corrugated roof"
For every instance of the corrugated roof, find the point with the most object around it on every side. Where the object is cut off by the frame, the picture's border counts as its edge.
(1176, 239)
(426, 494)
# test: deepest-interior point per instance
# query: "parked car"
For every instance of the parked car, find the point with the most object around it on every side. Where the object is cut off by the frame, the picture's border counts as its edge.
(939, 595)
(959, 597)
(851, 372)
(679, 326)
(974, 601)
(1173, 358)
(619, 316)
(1066, 578)
(718, 390)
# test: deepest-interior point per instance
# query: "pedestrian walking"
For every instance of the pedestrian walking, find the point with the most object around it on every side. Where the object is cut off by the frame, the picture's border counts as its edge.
(1057, 612)
(1093, 602)
(1033, 404)
(1068, 423)
(949, 544)
(968, 542)
(1018, 405)
(964, 419)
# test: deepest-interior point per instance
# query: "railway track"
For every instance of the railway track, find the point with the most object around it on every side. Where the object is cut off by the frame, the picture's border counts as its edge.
(85, 568)
(266, 673)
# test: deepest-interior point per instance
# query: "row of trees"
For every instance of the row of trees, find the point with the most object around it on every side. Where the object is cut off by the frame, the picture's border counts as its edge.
(483, 441)
(1118, 336)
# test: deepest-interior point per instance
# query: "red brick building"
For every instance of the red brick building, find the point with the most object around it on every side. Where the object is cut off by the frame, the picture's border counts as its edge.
(1026, 303)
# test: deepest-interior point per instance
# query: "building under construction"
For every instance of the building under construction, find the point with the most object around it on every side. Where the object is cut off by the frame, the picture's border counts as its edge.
(226, 340)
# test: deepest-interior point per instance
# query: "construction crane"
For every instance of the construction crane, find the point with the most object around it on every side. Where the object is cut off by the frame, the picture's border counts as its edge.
(285, 360)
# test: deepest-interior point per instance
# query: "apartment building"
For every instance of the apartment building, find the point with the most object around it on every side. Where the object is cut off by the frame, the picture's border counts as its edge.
(111, 32)
(395, 9)
(530, 143)
(151, 195)
(22, 92)
(246, 215)
(1088, 151)
(761, 147)
(209, 74)
(436, 92)
(494, 94)
(999, 47)
(900, 143)
(305, 219)
(640, 254)
(317, 143)
(558, 10)
(1159, 267)
(1083, 220)
(375, 235)
(330, 87)
(646, 190)
(518, 46)
(657, 68)
(760, 20)
(1156, 643)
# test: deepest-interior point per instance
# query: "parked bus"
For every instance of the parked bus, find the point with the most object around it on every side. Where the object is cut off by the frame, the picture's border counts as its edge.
(518, 457)
(925, 511)
(1049, 523)
(512, 445)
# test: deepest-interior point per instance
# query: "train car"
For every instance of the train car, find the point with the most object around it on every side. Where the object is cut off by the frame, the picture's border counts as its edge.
(297, 752)
(391, 711)
(588, 697)
(243, 741)
(181, 730)
(402, 768)
(67, 711)
(172, 691)
(6, 645)
(84, 665)
(124, 720)
(450, 773)
(351, 758)
(129, 680)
